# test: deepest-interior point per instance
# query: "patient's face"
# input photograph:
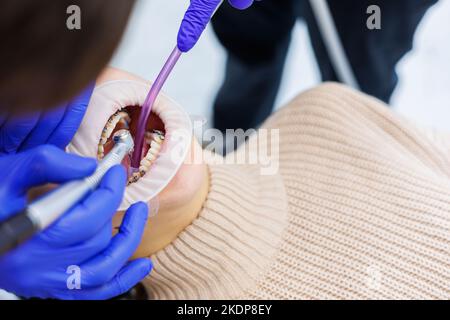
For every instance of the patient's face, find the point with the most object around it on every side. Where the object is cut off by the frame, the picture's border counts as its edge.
(115, 105)
(184, 182)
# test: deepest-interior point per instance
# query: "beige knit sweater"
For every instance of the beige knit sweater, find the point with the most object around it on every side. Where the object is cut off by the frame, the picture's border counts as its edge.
(360, 210)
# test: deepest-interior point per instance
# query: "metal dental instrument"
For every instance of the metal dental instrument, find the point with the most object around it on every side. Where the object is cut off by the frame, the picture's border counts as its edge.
(43, 212)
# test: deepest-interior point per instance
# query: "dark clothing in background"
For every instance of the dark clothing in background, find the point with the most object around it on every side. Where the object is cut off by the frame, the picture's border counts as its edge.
(257, 41)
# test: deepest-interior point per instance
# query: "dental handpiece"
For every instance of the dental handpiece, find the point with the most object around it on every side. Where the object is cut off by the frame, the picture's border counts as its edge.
(42, 213)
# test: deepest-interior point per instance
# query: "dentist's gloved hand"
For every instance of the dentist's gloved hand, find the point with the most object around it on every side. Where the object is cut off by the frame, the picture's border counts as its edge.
(46, 266)
(197, 18)
(56, 127)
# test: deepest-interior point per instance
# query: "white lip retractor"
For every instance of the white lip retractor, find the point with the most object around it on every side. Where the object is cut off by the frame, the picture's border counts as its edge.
(113, 96)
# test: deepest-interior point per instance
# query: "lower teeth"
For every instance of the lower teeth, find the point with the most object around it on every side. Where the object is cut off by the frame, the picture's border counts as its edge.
(154, 139)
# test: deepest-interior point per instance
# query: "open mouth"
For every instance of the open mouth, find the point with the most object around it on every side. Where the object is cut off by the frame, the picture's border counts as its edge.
(127, 118)
(116, 105)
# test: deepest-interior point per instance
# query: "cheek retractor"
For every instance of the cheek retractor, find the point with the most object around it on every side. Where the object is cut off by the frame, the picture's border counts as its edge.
(115, 97)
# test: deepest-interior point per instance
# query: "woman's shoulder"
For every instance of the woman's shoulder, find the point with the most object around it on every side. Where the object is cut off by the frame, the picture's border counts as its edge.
(333, 114)
(336, 101)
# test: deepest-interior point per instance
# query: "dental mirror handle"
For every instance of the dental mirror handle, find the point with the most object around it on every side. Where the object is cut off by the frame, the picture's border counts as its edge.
(43, 212)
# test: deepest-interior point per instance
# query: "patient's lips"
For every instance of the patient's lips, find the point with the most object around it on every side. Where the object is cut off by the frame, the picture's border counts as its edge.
(126, 118)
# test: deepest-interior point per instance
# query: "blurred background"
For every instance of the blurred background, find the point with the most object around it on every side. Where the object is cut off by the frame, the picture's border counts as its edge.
(423, 93)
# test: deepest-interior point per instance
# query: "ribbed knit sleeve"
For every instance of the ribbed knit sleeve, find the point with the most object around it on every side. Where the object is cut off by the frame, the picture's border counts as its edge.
(369, 202)
(368, 213)
(233, 242)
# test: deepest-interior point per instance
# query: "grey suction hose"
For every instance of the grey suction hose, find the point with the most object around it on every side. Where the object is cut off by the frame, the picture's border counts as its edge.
(333, 43)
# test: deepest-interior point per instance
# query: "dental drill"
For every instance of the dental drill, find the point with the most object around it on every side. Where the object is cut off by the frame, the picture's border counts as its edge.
(46, 210)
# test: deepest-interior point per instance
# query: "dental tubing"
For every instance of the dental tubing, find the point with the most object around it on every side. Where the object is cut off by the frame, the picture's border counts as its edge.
(148, 104)
(195, 20)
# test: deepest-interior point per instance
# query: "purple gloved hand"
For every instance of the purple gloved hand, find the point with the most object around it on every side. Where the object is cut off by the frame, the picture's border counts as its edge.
(55, 127)
(197, 18)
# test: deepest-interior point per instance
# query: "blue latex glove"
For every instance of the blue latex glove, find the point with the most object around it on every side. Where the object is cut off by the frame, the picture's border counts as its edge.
(82, 237)
(56, 127)
(197, 18)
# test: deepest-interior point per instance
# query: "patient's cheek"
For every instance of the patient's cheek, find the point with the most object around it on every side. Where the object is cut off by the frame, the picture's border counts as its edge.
(188, 180)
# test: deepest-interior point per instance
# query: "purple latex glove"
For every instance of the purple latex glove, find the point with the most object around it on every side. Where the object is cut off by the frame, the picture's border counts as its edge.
(56, 127)
(197, 18)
